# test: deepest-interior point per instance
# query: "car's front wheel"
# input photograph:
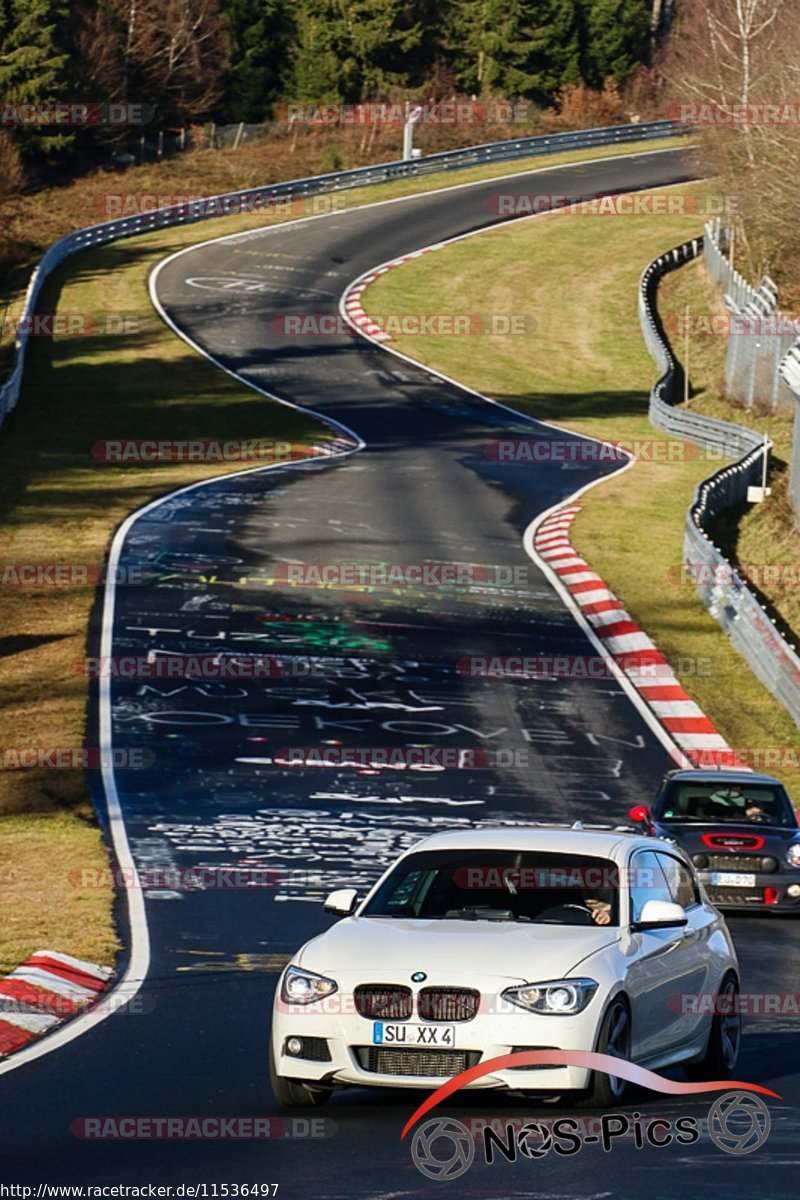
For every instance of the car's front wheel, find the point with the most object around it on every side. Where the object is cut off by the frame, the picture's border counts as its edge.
(292, 1093)
(724, 1038)
(614, 1038)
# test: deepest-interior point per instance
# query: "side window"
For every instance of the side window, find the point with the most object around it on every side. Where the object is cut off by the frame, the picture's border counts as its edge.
(647, 882)
(681, 883)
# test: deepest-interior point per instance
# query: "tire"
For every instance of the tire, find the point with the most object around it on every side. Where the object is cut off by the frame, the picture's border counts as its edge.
(724, 1039)
(606, 1091)
(292, 1093)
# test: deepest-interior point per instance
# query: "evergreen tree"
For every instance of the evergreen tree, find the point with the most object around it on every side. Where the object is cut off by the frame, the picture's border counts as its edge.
(260, 32)
(318, 75)
(5, 22)
(353, 49)
(616, 38)
(466, 30)
(33, 64)
(516, 47)
(554, 60)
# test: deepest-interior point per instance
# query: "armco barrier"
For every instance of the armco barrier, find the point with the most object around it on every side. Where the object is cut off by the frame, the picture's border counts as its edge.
(723, 593)
(761, 335)
(237, 202)
(736, 288)
(790, 374)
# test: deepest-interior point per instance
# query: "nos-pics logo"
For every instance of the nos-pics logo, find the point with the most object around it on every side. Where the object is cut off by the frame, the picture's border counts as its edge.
(443, 1148)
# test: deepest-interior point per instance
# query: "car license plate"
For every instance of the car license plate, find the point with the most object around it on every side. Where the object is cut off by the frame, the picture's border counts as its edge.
(413, 1035)
(732, 879)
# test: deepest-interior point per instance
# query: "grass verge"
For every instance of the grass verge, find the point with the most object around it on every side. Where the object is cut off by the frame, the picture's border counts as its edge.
(585, 366)
(57, 505)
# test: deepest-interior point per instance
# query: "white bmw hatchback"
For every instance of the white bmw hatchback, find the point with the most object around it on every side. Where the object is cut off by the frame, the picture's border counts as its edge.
(486, 942)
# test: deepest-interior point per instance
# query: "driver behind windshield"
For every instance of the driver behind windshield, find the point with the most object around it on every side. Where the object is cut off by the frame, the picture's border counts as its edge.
(500, 886)
(732, 797)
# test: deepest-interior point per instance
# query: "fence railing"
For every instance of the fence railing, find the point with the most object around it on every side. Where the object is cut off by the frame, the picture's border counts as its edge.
(255, 199)
(760, 335)
(790, 374)
(721, 589)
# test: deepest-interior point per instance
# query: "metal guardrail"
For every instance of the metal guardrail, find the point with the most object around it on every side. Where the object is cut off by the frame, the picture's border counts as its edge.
(736, 288)
(760, 334)
(255, 199)
(721, 589)
(790, 374)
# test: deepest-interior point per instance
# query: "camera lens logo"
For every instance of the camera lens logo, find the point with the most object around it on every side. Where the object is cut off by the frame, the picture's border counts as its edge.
(442, 1149)
(739, 1122)
(535, 1139)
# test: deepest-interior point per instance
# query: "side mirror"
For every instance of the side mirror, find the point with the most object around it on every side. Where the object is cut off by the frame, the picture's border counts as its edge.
(640, 814)
(341, 902)
(661, 914)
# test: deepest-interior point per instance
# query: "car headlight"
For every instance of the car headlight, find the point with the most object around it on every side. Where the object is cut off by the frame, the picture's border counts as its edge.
(793, 855)
(304, 987)
(556, 997)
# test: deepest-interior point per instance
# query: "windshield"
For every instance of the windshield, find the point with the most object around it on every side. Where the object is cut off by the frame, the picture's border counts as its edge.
(500, 885)
(715, 803)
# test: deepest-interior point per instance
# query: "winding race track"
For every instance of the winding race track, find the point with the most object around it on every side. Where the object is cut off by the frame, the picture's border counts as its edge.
(411, 483)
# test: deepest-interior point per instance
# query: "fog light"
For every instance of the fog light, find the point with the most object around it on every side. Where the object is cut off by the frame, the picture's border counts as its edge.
(294, 1046)
(794, 890)
(771, 895)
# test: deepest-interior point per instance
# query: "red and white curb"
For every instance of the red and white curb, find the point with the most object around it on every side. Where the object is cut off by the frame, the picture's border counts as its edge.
(351, 300)
(45, 990)
(630, 647)
(329, 449)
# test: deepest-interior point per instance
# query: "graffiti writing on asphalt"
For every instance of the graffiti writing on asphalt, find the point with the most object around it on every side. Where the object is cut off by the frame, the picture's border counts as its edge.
(312, 851)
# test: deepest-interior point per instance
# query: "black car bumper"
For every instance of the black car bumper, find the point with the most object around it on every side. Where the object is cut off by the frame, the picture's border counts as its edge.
(762, 891)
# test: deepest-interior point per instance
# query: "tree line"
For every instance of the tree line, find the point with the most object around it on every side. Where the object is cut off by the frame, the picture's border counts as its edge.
(237, 60)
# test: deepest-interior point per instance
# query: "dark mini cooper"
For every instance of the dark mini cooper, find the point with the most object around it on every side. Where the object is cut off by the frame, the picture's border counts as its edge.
(740, 831)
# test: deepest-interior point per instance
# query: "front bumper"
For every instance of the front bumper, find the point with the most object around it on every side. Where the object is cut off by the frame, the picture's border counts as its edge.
(349, 1039)
(770, 892)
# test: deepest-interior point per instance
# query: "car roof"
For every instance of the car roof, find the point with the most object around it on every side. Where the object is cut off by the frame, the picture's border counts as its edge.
(711, 775)
(605, 842)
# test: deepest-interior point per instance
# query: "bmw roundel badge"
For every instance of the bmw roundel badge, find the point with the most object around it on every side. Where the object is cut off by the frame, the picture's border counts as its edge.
(418, 977)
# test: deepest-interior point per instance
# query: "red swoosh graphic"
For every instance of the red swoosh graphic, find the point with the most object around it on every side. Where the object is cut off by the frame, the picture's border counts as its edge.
(606, 1063)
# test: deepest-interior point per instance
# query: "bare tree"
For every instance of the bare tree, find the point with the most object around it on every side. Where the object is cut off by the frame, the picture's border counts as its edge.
(735, 62)
(656, 18)
(169, 54)
(179, 51)
(12, 171)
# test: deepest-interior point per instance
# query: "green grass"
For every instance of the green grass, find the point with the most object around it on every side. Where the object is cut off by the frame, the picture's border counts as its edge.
(585, 367)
